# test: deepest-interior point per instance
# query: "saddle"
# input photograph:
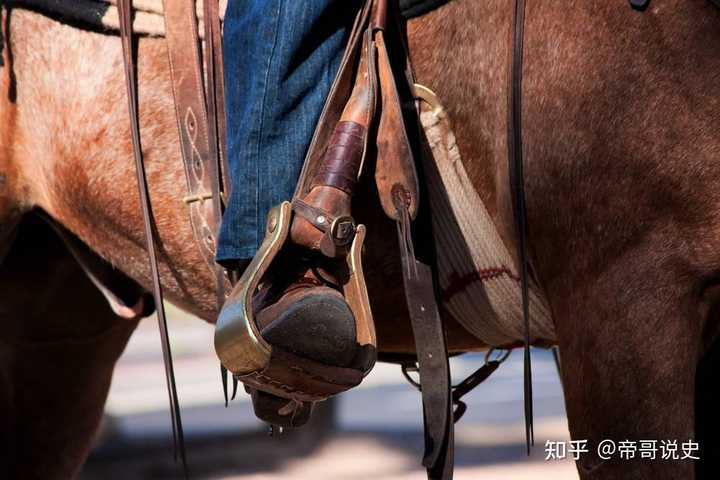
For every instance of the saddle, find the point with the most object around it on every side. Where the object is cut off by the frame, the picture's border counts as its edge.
(370, 120)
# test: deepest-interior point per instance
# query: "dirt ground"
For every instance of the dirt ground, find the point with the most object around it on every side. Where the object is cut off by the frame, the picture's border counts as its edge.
(374, 431)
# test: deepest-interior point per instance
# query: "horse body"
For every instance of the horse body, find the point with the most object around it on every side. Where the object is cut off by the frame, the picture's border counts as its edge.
(622, 150)
(72, 150)
(620, 119)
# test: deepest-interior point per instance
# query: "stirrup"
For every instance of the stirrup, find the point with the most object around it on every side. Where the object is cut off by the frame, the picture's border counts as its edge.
(252, 360)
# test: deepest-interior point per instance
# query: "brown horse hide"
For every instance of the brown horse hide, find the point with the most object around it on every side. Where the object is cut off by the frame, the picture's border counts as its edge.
(622, 155)
(58, 346)
(621, 146)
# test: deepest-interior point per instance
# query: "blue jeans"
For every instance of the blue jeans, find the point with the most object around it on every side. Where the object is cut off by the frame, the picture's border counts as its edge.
(281, 57)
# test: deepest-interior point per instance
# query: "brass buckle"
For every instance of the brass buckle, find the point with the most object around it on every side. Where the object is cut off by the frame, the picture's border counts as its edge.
(238, 342)
(342, 230)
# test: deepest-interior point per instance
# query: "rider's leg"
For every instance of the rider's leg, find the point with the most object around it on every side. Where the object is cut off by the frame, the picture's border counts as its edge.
(281, 58)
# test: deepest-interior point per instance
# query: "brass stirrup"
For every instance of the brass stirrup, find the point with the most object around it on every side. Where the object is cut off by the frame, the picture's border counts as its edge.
(252, 360)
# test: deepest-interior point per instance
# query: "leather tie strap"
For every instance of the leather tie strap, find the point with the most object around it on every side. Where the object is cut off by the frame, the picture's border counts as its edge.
(201, 128)
(517, 189)
(432, 356)
(125, 13)
(398, 188)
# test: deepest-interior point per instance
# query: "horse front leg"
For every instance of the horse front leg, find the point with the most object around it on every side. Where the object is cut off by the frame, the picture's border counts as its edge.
(59, 341)
(630, 341)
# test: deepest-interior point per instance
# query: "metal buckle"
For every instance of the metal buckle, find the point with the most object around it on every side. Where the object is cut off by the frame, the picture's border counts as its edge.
(342, 230)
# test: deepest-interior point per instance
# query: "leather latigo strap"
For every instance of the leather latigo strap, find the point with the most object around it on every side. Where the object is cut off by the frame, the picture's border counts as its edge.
(398, 189)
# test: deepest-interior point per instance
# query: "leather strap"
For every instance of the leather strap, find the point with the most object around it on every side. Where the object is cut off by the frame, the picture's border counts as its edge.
(215, 97)
(395, 165)
(432, 356)
(517, 189)
(201, 128)
(199, 149)
(125, 12)
(398, 188)
(197, 120)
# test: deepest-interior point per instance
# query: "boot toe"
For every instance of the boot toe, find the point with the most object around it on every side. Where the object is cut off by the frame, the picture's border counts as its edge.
(314, 323)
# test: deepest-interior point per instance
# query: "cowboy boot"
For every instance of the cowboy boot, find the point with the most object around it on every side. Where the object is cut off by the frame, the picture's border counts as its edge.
(304, 310)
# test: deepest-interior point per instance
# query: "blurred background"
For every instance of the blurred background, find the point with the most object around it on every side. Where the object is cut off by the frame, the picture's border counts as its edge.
(373, 431)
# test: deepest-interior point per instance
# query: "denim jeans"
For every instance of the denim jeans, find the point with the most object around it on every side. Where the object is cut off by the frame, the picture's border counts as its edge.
(281, 57)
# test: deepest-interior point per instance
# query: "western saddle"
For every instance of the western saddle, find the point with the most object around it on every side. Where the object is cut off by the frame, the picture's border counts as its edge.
(370, 120)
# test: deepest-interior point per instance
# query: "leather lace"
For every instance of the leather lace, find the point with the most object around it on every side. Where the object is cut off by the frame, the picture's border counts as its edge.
(125, 11)
(517, 188)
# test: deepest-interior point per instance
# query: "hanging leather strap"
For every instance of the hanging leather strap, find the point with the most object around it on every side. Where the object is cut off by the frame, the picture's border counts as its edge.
(201, 128)
(395, 164)
(517, 189)
(215, 97)
(197, 120)
(125, 12)
(432, 356)
(397, 183)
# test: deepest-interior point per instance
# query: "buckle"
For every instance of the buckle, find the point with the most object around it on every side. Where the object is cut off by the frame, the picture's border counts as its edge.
(342, 230)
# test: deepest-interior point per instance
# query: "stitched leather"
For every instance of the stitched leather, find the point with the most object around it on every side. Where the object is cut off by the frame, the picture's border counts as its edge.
(342, 160)
(199, 151)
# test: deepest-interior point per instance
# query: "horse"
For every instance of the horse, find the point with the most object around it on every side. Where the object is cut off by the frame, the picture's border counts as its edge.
(620, 116)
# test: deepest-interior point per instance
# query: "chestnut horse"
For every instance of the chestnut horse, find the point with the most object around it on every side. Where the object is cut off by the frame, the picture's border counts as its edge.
(622, 146)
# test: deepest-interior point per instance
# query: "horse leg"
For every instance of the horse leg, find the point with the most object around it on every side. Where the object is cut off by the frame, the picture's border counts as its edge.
(58, 345)
(630, 343)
